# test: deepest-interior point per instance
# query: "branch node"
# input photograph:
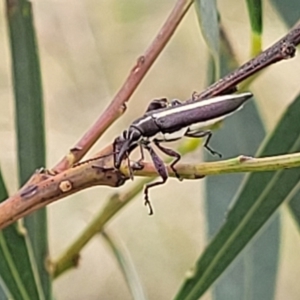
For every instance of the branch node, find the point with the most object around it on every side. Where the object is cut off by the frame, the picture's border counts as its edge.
(287, 49)
(198, 176)
(244, 158)
(65, 186)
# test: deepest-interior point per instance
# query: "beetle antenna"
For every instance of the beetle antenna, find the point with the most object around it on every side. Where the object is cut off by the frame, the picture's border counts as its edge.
(92, 159)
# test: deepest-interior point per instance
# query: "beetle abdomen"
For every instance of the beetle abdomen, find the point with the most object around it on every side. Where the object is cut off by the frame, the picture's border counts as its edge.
(203, 113)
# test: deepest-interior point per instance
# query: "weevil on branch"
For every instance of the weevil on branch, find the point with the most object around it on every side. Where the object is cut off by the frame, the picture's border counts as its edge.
(168, 122)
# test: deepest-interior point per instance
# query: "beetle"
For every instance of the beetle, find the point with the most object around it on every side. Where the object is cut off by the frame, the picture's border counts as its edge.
(166, 122)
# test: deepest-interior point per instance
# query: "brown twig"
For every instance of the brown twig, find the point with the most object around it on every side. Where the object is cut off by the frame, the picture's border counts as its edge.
(92, 173)
(117, 106)
(46, 187)
(285, 48)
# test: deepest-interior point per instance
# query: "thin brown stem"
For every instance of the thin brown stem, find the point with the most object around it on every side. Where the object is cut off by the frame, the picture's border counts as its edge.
(285, 48)
(117, 105)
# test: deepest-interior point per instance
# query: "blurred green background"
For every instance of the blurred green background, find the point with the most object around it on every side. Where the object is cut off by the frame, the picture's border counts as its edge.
(87, 48)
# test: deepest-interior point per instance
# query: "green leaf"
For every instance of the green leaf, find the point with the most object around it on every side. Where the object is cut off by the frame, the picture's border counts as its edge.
(208, 20)
(288, 9)
(29, 122)
(127, 267)
(245, 132)
(4, 292)
(259, 197)
(255, 14)
(249, 276)
(16, 271)
(294, 206)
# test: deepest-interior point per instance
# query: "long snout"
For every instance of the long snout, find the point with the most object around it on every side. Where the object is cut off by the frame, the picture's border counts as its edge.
(121, 152)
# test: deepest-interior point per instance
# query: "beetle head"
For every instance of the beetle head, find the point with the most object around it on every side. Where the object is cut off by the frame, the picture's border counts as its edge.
(125, 144)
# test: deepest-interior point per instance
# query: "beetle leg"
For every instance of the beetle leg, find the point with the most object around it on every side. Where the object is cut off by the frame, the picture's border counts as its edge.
(157, 104)
(175, 102)
(162, 171)
(171, 153)
(142, 153)
(194, 96)
(129, 169)
(201, 134)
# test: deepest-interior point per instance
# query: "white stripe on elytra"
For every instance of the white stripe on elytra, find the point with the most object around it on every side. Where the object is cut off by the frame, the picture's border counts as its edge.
(144, 120)
(197, 104)
(193, 105)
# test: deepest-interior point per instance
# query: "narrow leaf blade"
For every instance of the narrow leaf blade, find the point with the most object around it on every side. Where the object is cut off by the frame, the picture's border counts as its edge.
(15, 266)
(260, 196)
(208, 20)
(241, 134)
(29, 123)
(255, 14)
(126, 265)
(288, 9)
